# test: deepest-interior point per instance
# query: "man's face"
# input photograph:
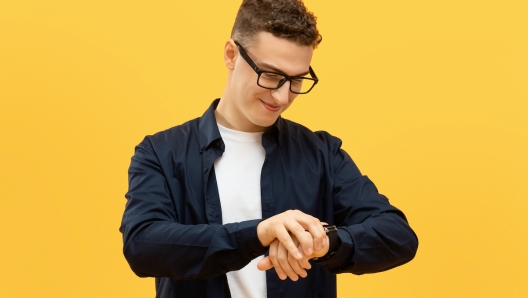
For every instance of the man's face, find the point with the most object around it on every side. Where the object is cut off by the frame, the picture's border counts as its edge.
(249, 107)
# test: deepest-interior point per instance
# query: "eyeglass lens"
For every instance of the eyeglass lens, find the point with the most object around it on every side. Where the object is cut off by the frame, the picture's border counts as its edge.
(274, 80)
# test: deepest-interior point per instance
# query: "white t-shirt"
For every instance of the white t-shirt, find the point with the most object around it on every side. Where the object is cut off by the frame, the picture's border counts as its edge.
(238, 177)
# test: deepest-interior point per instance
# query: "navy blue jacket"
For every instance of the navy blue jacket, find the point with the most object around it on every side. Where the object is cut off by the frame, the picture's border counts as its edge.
(172, 225)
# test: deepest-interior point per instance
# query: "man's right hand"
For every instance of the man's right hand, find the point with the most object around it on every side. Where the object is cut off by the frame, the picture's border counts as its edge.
(284, 263)
(296, 223)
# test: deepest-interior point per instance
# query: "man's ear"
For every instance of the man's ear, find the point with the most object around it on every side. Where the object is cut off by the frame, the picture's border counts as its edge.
(230, 54)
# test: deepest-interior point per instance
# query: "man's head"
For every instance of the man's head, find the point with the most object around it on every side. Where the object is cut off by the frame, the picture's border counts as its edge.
(269, 36)
(287, 19)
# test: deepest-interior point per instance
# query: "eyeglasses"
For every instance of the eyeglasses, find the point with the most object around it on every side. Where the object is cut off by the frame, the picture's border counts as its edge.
(274, 80)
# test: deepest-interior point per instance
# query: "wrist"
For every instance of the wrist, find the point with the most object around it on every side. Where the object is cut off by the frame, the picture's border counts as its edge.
(323, 251)
(333, 243)
(265, 241)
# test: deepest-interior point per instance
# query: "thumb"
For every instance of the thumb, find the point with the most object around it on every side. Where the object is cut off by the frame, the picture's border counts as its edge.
(264, 264)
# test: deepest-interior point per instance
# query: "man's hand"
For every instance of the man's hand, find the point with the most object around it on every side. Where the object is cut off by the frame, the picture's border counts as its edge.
(285, 264)
(293, 223)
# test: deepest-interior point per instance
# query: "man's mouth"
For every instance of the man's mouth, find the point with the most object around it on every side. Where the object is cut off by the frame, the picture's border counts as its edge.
(270, 107)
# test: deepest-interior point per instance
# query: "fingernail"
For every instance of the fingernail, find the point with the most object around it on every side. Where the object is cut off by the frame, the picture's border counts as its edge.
(318, 246)
(298, 255)
(309, 251)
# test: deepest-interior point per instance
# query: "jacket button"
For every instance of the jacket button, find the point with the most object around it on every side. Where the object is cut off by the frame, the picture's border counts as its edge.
(205, 170)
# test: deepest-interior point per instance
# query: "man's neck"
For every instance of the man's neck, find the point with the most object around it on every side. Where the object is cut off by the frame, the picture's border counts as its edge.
(227, 119)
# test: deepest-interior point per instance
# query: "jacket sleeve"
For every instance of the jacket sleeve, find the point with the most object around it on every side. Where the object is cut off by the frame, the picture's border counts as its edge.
(374, 235)
(157, 245)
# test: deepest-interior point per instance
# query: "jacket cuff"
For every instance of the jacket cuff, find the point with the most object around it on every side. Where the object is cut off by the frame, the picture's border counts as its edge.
(247, 239)
(343, 253)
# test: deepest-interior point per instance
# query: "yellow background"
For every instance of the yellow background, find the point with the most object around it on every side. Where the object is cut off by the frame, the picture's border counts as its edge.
(429, 97)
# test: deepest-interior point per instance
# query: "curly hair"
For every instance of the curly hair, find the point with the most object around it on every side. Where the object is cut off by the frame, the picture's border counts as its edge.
(283, 18)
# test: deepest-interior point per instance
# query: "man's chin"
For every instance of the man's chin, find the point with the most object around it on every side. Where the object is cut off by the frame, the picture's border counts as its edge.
(265, 123)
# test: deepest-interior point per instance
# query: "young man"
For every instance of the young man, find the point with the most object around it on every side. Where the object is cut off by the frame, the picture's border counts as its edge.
(216, 202)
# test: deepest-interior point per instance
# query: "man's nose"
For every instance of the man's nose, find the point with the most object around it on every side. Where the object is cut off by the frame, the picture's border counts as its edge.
(282, 95)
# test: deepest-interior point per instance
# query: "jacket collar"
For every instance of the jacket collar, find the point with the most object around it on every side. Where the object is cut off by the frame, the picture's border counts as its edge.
(209, 133)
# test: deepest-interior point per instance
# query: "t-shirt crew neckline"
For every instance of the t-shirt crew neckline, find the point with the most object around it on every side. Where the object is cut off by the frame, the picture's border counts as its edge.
(239, 136)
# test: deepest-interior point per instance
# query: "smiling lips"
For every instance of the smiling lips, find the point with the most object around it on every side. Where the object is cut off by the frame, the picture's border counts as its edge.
(270, 107)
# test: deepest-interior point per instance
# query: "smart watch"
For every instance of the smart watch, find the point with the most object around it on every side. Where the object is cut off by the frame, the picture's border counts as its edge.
(331, 232)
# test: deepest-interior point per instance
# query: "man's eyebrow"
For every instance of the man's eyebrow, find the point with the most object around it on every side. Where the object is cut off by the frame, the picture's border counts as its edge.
(275, 69)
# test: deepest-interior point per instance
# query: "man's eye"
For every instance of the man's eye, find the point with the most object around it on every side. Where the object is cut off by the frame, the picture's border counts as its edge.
(271, 76)
(297, 81)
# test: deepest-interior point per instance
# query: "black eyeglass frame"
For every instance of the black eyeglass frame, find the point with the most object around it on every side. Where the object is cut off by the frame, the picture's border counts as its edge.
(286, 78)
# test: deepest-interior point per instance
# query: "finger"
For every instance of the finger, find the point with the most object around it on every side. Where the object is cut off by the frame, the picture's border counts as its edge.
(305, 239)
(314, 227)
(264, 264)
(296, 266)
(273, 251)
(325, 240)
(305, 263)
(318, 234)
(284, 261)
(284, 237)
